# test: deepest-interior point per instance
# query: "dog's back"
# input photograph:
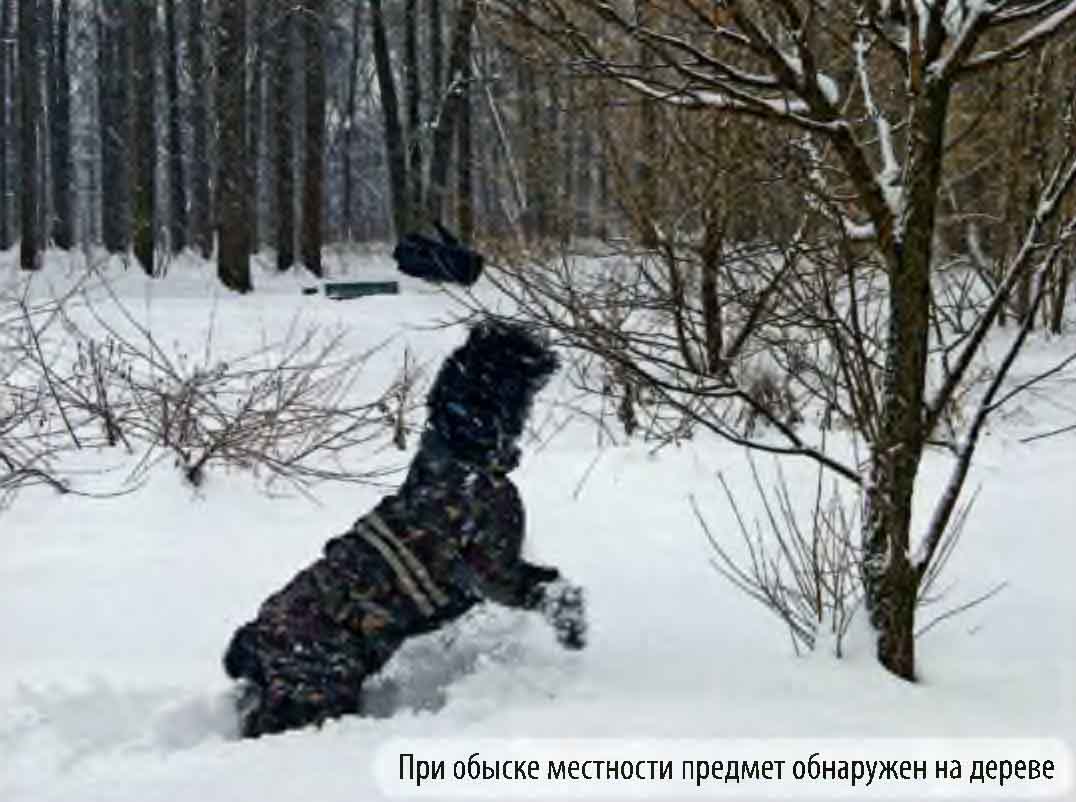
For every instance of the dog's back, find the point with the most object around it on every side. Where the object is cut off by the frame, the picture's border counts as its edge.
(451, 537)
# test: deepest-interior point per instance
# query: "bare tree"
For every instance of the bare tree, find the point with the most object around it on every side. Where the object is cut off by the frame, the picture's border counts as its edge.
(413, 92)
(7, 18)
(456, 96)
(201, 227)
(29, 121)
(314, 153)
(177, 189)
(465, 200)
(256, 103)
(233, 190)
(351, 122)
(877, 145)
(63, 224)
(395, 146)
(280, 103)
(112, 93)
(143, 133)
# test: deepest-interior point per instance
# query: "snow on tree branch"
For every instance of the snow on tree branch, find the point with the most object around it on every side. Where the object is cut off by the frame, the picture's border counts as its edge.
(1037, 34)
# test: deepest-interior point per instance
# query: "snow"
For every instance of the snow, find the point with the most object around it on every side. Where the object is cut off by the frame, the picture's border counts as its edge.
(117, 610)
(827, 85)
(781, 106)
(889, 179)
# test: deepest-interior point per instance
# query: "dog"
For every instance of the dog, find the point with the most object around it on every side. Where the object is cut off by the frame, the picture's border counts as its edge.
(449, 538)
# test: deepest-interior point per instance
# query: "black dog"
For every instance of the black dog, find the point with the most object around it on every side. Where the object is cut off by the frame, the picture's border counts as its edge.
(446, 261)
(449, 538)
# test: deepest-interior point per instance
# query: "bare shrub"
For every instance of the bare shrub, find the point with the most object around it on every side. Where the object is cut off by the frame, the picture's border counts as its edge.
(809, 572)
(806, 574)
(32, 436)
(289, 411)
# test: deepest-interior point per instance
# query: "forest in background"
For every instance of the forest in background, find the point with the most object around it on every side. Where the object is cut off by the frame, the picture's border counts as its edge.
(151, 127)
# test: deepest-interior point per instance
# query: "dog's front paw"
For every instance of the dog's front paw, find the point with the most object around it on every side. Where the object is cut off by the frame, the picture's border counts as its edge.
(565, 609)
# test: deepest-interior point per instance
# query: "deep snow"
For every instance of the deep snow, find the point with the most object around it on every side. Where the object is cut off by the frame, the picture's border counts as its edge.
(116, 611)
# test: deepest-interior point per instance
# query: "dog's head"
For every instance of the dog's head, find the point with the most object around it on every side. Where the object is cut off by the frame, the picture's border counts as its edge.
(482, 395)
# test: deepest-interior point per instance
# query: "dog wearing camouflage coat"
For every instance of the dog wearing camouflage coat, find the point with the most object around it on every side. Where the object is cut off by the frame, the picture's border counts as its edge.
(449, 538)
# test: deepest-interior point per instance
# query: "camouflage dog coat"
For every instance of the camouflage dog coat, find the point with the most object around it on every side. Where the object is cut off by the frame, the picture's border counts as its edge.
(449, 538)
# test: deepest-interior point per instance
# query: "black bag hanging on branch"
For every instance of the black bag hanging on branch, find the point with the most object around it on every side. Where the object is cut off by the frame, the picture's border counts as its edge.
(447, 261)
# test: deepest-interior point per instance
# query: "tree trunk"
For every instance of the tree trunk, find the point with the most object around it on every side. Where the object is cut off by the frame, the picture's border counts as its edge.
(177, 188)
(112, 102)
(712, 245)
(63, 230)
(889, 578)
(201, 226)
(256, 113)
(1034, 160)
(233, 210)
(459, 58)
(648, 145)
(437, 51)
(6, 16)
(526, 89)
(1061, 290)
(46, 92)
(604, 199)
(284, 156)
(584, 180)
(465, 168)
(349, 125)
(413, 88)
(29, 116)
(395, 148)
(1028, 187)
(143, 140)
(568, 137)
(713, 324)
(314, 159)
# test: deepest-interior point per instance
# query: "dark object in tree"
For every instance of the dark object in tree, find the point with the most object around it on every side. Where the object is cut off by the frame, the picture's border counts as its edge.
(449, 538)
(447, 261)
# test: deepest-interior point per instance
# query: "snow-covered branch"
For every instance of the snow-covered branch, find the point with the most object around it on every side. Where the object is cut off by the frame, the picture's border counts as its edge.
(1038, 34)
(1060, 184)
(943, 511)
(889, 179)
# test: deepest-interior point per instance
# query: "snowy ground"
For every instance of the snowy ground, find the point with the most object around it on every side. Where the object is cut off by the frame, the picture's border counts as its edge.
(116, 611)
